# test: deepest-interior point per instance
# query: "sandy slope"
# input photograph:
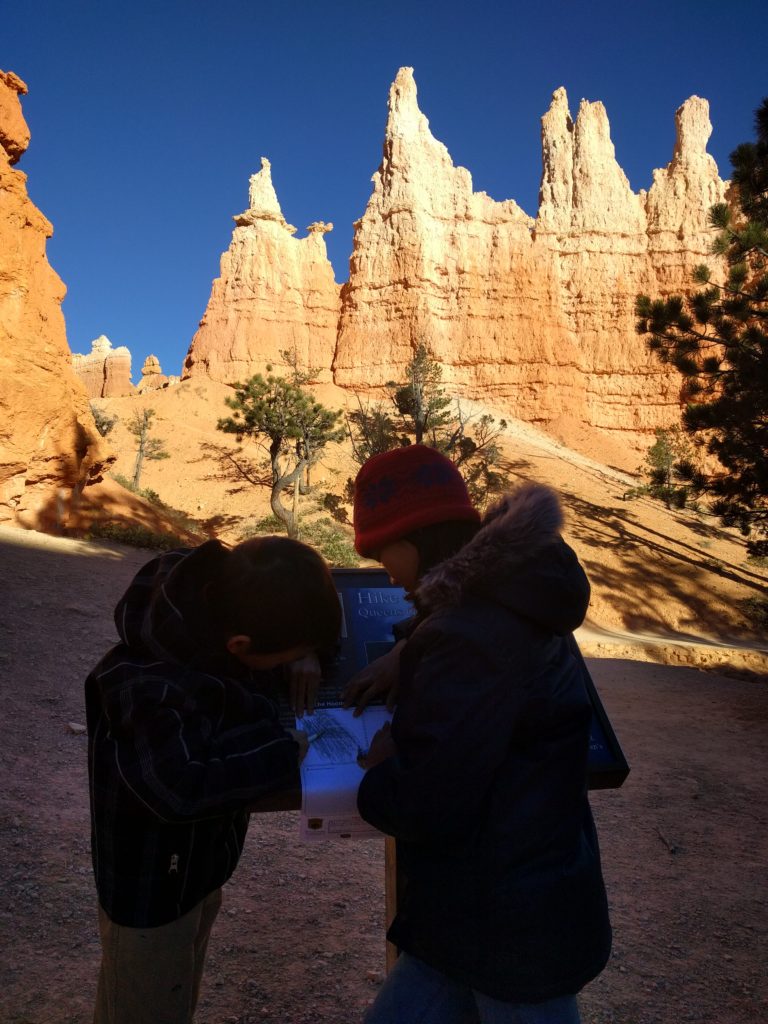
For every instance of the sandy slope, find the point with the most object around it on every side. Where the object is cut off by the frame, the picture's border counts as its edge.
(656, 572)
(301, 937)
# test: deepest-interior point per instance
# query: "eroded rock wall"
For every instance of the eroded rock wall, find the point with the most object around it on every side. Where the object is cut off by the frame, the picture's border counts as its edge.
(435, 262)
(275, 293)
(49, 445)
(533, 316)
(680, 198)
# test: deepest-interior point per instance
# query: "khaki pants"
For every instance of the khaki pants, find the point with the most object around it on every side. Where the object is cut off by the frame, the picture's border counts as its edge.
(152, 975)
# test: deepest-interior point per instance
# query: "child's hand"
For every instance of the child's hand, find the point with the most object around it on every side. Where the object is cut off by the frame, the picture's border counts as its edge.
(378, 679)
(382, 746)
(303, 683)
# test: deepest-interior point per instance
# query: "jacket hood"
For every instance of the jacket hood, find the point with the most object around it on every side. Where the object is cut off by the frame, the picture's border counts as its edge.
(517, 559)
(160, 612)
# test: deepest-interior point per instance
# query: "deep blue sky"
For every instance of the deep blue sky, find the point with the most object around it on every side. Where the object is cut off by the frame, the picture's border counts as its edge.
(148, 118)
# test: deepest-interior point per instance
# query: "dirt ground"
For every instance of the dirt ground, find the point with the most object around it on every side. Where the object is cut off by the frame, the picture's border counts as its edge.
(301, 935)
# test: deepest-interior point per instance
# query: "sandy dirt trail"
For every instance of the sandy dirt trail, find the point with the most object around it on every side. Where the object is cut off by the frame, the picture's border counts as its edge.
(300, 939)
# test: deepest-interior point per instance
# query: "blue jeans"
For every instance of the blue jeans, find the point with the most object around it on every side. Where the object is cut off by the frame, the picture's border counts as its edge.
(415, 993)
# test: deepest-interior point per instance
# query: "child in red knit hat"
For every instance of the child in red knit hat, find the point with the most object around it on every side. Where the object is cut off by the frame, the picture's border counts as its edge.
(403, 490)
(482, 778)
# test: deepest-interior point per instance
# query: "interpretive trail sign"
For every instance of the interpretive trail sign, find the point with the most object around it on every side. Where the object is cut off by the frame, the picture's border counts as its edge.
(330, 773)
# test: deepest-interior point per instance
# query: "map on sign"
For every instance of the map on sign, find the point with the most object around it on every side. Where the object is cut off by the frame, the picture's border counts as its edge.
(330, 773)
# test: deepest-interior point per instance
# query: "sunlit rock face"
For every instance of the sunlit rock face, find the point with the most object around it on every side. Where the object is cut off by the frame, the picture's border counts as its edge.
(533, 316)
(679, 200)
(435, 262)
(105, 371)
(275, 293)
(609, 244)
(49, 445)
(14, 131)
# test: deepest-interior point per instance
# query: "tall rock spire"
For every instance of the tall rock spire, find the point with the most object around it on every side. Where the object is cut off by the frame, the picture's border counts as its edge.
(556, 190)
(681, 196)
(262, 200)
(405, 120)
(427, 254)
(583, 188)
(275, 293)
(602, 198)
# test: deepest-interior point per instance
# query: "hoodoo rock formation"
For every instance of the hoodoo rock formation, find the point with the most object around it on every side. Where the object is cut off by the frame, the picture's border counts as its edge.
(49, 445)
(105, 371)
(434, 261)
(275, 293)
(152, 376)
(679, 200)
(533, 316)
(609, 244)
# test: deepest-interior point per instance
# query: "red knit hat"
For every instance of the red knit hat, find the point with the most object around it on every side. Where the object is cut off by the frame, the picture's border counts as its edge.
(399, 491)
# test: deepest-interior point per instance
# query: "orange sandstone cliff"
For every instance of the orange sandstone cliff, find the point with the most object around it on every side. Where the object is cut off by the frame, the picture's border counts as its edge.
(49, 445)
(533, 316)
(608, 244)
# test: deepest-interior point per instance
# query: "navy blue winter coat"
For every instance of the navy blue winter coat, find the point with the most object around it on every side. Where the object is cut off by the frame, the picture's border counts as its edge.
(179, 741)
(487, 795)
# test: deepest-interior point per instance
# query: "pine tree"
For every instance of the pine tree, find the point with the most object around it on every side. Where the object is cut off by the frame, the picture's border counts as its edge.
(280, 414)
(671, 449)
(104, 422)
(421, 401)
(424, 414)
(718, 340)
(140, 425)
(372, 431)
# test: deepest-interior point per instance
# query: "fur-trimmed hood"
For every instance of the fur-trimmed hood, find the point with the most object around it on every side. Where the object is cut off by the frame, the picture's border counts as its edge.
(517, 559)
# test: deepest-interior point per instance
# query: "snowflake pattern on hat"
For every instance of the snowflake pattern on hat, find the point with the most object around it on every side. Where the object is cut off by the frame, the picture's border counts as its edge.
(379, 492)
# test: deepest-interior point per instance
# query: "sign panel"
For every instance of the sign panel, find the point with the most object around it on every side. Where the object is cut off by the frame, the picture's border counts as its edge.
(330, 773)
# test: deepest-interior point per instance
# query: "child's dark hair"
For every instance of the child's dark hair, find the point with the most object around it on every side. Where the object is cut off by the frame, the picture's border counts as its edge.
(439, 541)
(277, 591)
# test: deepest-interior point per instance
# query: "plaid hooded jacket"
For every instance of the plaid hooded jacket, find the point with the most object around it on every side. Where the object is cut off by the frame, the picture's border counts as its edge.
(179, 742)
